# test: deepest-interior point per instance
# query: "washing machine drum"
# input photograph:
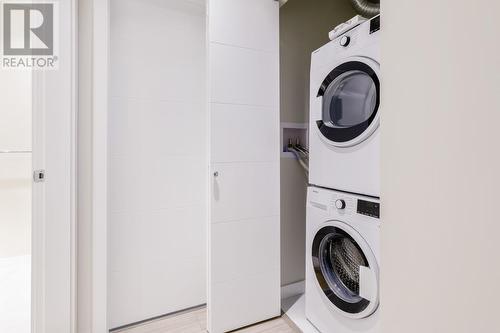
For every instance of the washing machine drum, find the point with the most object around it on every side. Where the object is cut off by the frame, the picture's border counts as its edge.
(350, 100)
(346, 271)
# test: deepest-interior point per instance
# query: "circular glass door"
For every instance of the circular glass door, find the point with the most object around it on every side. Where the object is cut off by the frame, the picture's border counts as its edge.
(337, 260)
(350, 101)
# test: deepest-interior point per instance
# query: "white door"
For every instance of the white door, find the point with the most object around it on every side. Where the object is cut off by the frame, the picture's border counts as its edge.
(244, 226)
(157, 217)
(53, 200)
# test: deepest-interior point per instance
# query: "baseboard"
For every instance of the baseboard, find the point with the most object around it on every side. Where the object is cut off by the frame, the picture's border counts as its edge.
(293, 289)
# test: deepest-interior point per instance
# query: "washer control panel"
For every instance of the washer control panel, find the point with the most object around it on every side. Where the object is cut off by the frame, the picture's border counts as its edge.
(343, 205)
(348, 205)
(375, 24)
(345, 40)
(340, 203)
(368, 208)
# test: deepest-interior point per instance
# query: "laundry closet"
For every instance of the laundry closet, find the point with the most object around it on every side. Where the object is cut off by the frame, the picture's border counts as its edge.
(205, 204)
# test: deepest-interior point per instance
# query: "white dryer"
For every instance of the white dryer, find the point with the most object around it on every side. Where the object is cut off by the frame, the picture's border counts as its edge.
(342, 262)
(344, 112)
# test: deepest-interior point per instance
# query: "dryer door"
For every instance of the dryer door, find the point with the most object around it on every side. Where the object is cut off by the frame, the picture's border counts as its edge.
(346, 270)
(350, 100)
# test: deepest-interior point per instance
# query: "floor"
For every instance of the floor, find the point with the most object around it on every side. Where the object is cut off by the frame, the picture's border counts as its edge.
(195, 322)
(295, 309)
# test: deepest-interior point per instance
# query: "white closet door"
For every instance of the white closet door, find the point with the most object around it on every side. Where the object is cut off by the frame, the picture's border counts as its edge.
(244, 228)
(156, 219)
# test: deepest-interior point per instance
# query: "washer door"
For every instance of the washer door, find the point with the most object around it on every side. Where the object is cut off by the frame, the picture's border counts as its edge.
(346, 270)
(350, 101)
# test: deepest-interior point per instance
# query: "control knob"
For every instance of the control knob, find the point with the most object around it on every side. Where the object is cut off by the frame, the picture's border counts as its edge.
(340, 204)
(345, 40)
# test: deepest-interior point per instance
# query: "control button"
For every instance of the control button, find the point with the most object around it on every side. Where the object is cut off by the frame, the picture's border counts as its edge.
(345, 40)
(340, 204)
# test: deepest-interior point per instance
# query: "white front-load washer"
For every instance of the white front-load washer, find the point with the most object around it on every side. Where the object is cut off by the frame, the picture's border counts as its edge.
(342, 261)
(344, 112)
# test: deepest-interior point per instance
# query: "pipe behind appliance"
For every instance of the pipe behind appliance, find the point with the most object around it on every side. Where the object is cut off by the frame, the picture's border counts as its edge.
(367, 8)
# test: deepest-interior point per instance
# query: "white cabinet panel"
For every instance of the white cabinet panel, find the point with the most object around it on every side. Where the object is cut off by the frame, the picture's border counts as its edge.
(173, 260)
(243, 76)
(245, 190)
(124, 247)
(243, 133)
(172, 181)
(156, 127)
(157, 261)
(123, 193)
(244, 301)
(157, 174)
(124, 307)
(174, 128)
(251, 24)
(16, 110)
(123, 133)
(156, 48)
(244, 228)
(248, 258)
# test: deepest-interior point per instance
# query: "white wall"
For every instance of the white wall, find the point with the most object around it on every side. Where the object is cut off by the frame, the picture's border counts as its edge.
(15, 169)
(440, 161)
(157, 159)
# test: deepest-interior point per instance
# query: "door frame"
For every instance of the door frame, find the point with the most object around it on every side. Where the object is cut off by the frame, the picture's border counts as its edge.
(100, 73)
(93, 302)
(38, 252)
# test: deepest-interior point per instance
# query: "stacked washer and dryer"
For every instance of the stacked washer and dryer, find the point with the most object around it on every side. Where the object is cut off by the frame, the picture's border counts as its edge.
(343, 208)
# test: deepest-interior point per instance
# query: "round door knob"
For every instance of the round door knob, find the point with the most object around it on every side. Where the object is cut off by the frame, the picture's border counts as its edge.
(340, 204)
(345, 40)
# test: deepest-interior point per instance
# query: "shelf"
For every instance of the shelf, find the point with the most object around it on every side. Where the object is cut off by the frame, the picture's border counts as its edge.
(293, 131)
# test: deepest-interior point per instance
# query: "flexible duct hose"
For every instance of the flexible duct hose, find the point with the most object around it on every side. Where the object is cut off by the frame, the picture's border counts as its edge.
(367, 8)
(302, 157)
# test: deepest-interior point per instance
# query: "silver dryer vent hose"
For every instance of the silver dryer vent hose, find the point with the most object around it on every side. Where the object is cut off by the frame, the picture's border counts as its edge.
(366, 8)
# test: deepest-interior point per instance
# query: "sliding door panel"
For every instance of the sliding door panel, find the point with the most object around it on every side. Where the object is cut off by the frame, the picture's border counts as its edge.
(157, 159)
(244, 226)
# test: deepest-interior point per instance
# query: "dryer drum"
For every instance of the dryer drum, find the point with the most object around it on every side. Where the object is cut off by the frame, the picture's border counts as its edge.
(350, 96)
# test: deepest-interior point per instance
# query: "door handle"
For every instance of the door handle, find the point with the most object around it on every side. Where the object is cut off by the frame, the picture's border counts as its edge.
(39, 176)
(216, 174)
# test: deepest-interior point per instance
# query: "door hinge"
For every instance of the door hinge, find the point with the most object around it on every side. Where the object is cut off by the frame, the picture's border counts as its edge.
(39, 176)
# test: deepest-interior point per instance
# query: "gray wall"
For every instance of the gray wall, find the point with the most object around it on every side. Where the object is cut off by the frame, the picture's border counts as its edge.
(304, 27)
(440, 166)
